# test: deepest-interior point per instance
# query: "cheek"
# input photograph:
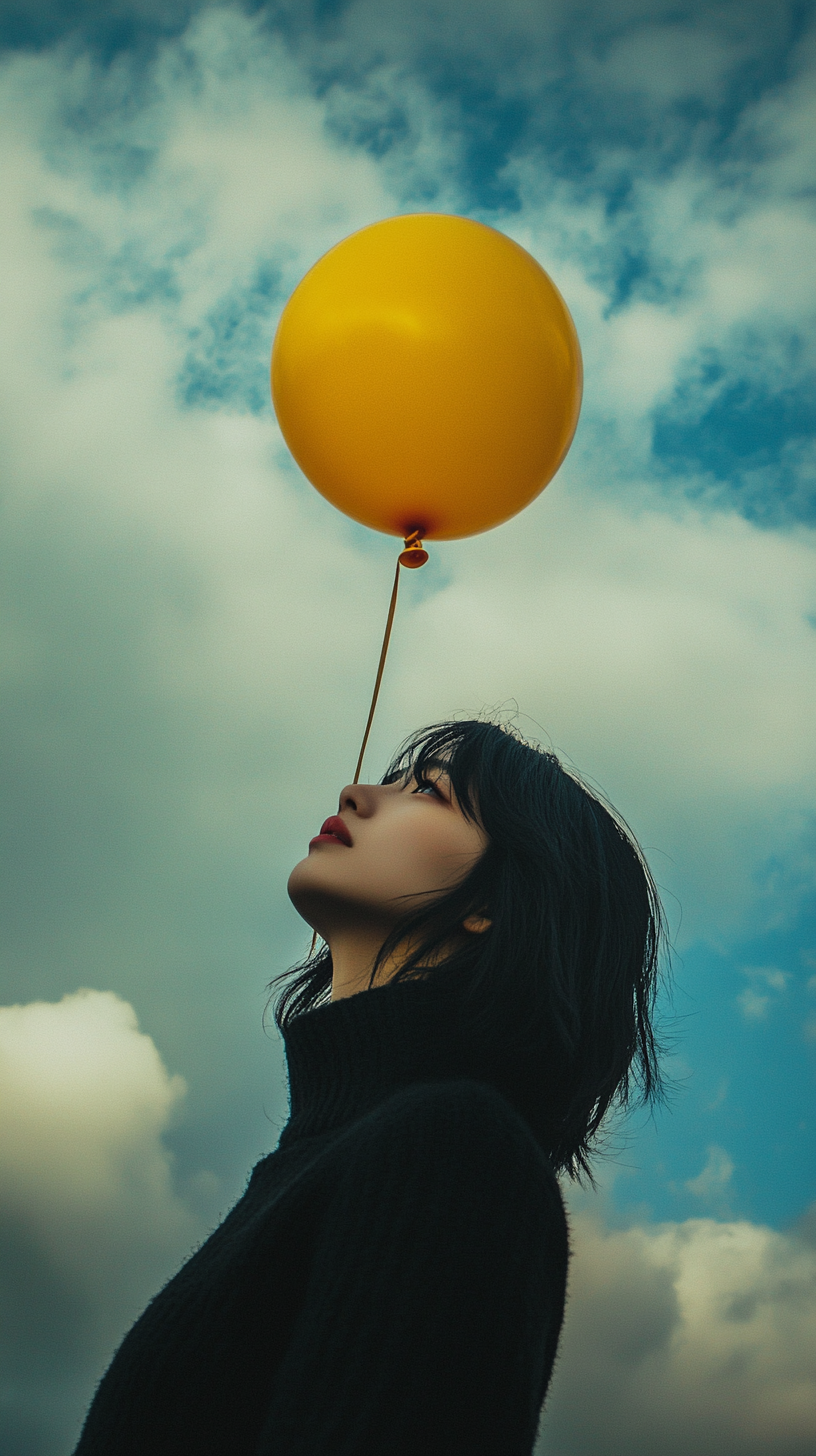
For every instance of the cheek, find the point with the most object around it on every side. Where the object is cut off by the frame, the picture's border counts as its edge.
(429, 855)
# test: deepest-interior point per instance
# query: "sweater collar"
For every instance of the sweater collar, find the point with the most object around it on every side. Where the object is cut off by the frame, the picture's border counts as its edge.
(347, 1056)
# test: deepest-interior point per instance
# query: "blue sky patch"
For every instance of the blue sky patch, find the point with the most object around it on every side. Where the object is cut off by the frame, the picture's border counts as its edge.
(742, 1031)
(227, 363)
(747, 437)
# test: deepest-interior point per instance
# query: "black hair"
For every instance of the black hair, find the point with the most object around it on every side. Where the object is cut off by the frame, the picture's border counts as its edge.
(568, 970)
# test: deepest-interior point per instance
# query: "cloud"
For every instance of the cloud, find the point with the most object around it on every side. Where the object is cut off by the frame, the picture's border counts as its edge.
(84, 1092)
(765, 983)
(669, 62)
(193, 631)
(658, 169)
(696, 1336)
(185, 600)
(185, 689)
(753, 1006)
(700, 1330)
(631, 636)
(712, 1183)
(90, 1222)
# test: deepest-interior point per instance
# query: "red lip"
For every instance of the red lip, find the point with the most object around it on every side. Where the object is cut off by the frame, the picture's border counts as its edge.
(333, 831)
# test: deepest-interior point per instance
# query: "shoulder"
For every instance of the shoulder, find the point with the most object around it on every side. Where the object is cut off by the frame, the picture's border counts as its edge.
(453, 1169)
(460, 1129)
(463, 1107)
(463, 1101)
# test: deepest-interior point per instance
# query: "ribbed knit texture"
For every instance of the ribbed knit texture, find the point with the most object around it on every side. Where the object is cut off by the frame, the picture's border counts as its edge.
(392, 1280)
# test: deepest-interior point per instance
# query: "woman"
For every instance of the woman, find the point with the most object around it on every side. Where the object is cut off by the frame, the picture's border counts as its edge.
(392, 1281)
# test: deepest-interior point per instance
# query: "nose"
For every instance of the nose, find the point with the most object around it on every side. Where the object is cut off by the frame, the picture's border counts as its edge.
(359, 798)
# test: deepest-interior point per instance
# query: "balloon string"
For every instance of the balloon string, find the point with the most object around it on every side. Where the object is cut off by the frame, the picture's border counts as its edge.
(381, 668)
(413, 556)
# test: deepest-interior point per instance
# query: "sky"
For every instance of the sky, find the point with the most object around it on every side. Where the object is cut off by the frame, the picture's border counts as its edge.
(191, 633)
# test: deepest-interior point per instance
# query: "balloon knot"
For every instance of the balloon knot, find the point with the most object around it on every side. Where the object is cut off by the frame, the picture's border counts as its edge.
(414, 554)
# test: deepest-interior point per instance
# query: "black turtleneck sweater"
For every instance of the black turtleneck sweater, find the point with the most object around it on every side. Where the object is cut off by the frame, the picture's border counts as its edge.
(392, 1280)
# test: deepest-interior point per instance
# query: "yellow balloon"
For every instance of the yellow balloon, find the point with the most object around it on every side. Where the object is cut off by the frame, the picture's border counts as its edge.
(426, 376)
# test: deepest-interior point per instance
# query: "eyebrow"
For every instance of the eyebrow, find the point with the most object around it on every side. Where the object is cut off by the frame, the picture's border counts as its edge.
(441, 763)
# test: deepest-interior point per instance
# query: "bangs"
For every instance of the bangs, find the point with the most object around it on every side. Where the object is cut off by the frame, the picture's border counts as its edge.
(460, 750)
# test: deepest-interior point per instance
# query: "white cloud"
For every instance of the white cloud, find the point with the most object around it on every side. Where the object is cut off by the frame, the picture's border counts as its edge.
(701, 1330)
(668, 656)
(734, 276)
(753, 1005)
(771, 975)
(666, 651)
(90, 1222)
(723, 233)
(696, 1336)
(713, 1182)
(668, 62)
(765, 983)
(85, 1099)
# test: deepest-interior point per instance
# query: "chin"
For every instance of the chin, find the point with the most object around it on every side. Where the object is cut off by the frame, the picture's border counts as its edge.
(307, 889)
(298, 880)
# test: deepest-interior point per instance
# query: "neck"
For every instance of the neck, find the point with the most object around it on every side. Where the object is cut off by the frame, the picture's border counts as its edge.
(354, 949)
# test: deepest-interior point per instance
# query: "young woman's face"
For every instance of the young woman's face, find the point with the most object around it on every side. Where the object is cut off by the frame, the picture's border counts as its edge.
(391, 849)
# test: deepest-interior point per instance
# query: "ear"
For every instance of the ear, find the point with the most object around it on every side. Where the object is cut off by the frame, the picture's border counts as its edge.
(476, 924)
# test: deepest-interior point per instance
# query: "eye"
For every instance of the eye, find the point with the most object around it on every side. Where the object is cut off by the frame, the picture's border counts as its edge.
(427, 786)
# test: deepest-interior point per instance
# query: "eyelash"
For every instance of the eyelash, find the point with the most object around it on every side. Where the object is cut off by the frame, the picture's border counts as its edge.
(429, 784)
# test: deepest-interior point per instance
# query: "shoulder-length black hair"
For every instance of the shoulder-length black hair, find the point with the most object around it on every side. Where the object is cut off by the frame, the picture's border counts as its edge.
(568, 970)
